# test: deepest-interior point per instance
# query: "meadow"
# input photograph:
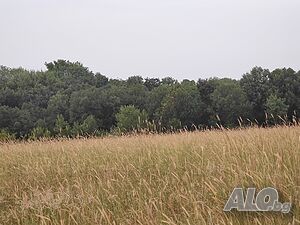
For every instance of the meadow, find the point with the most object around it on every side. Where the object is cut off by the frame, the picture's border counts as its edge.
(182, 178)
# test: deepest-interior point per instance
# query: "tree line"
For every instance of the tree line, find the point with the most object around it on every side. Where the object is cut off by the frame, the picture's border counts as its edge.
(69, 100)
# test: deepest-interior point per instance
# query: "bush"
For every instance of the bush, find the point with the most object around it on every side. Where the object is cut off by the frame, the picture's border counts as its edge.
(39, 133)
(130, 118)
(6, 136)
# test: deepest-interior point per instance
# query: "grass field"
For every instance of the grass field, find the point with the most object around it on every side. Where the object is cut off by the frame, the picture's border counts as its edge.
(181, 178)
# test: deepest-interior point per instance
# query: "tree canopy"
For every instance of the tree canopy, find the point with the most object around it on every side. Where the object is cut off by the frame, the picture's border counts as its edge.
(67, 99)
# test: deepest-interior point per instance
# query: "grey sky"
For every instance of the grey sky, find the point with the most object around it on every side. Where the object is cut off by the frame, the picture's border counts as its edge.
(179, 38)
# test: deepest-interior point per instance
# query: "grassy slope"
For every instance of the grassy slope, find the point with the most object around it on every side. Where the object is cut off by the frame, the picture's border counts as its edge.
(173, 179)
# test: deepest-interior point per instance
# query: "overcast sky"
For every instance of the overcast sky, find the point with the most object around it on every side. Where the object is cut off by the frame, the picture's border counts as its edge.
(156, 38)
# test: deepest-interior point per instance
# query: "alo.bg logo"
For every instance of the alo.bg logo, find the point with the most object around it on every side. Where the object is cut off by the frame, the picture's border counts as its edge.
(265, 200)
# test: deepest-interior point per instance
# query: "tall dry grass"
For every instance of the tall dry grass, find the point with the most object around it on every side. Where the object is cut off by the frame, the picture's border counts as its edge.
(152, 179)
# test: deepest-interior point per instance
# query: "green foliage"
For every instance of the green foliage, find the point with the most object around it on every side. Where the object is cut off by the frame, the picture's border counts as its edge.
(174, 123)
(93, 101)
(134, 80)
(155, 99)
(130, 118)
(256, 86)
(58, 104)
(183, 104)
(88, 103)
(276, 106)
(9, 119)
(39, 133)
(152, 83)
(6, 136)
(89, 125)
(101, 80)
(206, 87)
(285, 83)
(169, 81)
(230, 102)
(62, 128)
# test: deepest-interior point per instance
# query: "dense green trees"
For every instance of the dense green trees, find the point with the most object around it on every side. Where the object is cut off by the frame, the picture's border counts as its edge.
(230, 102)
(257, 87)
(183, 103)
(69, 100)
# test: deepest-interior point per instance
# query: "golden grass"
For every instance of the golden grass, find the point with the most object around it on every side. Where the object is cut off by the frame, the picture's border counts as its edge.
(156, 179)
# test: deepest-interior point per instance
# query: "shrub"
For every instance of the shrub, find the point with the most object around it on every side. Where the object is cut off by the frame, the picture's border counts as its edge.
(130, 118)
(6, 136)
